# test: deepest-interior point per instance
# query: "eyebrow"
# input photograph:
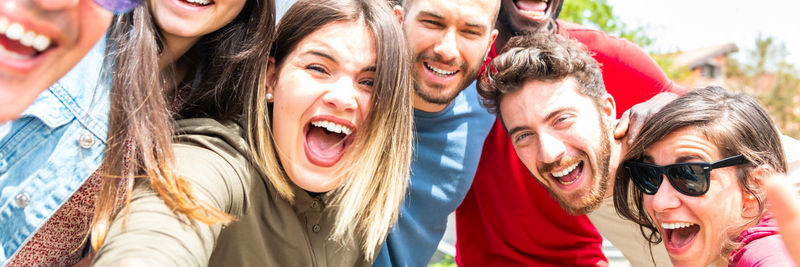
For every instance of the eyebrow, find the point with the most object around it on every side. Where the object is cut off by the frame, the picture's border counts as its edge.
(517, 129)
(681, 159)
(556, 112)
(431, 14)
(368, 69)
(477, 25)
(322, 54)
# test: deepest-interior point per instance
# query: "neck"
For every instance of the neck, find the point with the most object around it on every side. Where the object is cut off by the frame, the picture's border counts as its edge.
(174, 48)
(615, 156)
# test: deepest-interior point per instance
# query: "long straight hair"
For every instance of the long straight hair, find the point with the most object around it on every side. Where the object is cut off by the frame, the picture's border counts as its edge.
(143, 106)
(374, 181)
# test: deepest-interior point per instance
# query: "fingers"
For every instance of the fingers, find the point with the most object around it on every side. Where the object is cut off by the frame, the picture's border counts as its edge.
(784, 204)
(622, 125)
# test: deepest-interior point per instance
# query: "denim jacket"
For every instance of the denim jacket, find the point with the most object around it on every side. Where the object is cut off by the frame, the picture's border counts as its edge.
(57, 143)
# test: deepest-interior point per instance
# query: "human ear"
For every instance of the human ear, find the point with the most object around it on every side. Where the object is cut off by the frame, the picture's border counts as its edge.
(270, 78)
(758, 177)
(608, 107)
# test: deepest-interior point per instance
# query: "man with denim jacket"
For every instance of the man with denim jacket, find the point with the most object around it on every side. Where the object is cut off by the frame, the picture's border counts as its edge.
(57, 137)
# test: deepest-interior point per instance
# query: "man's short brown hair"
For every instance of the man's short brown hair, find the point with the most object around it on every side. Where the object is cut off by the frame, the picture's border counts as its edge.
(539, 57)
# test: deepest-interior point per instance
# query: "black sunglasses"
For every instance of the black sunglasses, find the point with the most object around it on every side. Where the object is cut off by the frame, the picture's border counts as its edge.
(118, 6)
(691, 178)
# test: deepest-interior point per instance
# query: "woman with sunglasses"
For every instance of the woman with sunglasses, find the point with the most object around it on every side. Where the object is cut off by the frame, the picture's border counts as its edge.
(694, 179)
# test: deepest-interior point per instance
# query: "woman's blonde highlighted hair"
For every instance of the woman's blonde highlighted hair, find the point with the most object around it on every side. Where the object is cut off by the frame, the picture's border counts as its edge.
(373, 184)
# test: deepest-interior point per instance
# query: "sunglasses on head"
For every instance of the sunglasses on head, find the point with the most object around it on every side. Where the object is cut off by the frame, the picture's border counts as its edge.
(118, 6)
(691, 178)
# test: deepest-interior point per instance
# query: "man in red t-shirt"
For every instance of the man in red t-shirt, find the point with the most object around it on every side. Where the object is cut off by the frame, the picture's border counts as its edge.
(508, 218)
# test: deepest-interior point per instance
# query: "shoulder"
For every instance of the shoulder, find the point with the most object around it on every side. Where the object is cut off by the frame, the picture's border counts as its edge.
(215, 158)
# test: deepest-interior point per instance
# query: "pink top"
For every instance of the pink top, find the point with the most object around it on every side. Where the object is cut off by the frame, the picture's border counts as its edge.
(761, 246)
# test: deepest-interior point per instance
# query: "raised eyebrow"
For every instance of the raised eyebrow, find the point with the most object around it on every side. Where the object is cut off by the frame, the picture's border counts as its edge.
(322, 54)
(688, 158)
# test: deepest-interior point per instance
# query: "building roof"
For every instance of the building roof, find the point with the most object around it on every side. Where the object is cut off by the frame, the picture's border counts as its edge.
(698, 57)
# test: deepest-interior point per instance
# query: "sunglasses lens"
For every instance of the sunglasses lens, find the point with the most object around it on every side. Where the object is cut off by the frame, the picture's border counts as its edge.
(689, 179)
(118, 6)
(647, 178)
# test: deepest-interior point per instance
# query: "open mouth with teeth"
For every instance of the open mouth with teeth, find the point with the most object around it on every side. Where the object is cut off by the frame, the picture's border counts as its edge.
(198, 3)
(326, 141)
(568, 175)
(19, 43)
(440, 72)
(533, 9)
(679, 235)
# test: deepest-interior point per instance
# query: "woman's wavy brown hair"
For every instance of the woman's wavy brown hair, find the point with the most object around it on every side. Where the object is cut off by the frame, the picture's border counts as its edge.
(144, 105)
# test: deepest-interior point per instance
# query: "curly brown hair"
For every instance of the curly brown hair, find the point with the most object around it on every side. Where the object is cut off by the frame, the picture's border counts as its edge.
(541, 57)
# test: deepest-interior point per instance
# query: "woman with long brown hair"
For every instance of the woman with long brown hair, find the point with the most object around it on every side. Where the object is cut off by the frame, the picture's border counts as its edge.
(317, 176)
(175, 59)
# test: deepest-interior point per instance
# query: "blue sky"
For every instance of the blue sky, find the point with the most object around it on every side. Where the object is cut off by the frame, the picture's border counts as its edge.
(688, 24)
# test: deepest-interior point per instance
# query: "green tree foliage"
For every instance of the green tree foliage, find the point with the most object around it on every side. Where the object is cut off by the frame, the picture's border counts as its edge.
(772, 80)
(598, 14)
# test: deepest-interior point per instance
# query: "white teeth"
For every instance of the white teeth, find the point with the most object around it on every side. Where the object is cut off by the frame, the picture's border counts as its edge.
(41, 43)
(3, 25)
(333, 127)
(676, 225)
(565, 171)
(199, 2)
(440, 72)
(27, 38)
(16, 32)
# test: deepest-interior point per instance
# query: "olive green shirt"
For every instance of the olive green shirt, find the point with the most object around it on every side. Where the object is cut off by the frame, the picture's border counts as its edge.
(269, 231)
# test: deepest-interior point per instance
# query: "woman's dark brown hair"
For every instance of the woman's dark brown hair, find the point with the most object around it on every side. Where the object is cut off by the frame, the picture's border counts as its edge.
(145, 103)
(734, 122)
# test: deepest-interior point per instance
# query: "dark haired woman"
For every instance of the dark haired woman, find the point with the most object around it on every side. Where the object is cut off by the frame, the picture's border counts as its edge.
(695, 179)
(175, 59)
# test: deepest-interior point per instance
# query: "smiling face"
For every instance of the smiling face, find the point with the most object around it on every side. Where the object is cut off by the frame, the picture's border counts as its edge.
(527, 15)
(321, 96)
(449, 40)
(40, 41)
(563, 139)
(694, 228)
(191, 19)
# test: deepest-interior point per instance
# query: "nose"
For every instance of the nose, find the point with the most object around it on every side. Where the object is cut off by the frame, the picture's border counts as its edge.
(551, 149)
(52, 5)
(665, 198)
(447, 48)
(342, 95)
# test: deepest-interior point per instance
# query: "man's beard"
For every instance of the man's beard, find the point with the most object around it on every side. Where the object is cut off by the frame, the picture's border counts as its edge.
(595, 196)
(434, 93)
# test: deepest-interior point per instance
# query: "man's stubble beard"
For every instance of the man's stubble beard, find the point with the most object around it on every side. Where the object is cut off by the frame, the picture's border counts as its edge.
(594, 198)
(431, 95)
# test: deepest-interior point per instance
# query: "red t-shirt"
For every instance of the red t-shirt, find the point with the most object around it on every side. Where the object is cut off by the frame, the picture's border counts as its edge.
(507, 217)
